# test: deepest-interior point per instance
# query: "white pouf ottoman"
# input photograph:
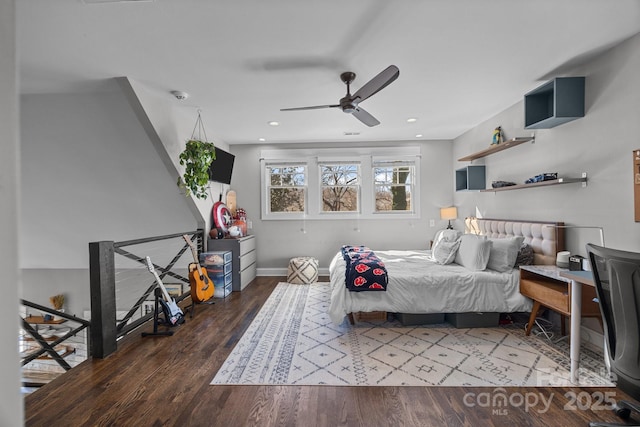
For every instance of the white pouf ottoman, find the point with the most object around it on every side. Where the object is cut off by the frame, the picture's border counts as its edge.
(302, 270)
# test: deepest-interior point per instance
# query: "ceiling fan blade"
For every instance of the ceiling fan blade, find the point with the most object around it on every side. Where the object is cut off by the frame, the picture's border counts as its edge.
(315, 107)
(382, 80)
(365, 117)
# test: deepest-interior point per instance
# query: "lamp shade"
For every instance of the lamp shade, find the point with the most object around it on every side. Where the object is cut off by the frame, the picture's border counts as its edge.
(449, 213)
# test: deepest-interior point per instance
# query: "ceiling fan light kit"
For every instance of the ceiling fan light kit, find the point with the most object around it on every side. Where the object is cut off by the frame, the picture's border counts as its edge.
(350, 103)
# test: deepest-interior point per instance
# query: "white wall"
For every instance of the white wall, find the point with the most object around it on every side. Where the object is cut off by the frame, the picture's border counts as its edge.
(278, 241)
(169, 125)
(89, 173)
(11, 405)
(601, 144)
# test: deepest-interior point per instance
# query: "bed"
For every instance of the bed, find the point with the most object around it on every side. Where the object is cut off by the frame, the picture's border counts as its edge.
(419, 285)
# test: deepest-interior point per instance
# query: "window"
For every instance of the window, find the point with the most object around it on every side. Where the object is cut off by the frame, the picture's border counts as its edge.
(393, 186)
(340, 187)
(335, 183)
(287, 188)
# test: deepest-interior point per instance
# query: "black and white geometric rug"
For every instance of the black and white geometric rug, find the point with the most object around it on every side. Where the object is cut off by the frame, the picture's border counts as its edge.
(293, 341)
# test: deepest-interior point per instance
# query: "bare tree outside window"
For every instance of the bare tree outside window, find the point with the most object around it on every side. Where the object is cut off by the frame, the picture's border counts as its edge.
(340, 187)
(393, 188)
(287, 188)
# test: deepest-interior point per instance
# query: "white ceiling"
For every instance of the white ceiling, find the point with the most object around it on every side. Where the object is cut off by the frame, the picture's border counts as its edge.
(460, 61)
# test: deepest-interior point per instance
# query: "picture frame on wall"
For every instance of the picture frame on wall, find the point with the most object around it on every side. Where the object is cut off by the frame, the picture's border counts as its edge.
(174, 289)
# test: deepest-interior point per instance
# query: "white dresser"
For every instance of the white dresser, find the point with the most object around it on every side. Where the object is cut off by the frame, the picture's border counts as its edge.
(244, 258)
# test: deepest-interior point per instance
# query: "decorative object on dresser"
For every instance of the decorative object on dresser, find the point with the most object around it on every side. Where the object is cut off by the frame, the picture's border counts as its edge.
(221, 216)
(243, 258)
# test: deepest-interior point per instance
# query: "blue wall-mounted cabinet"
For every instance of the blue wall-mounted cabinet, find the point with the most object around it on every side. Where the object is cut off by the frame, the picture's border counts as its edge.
(554, 103)
(471, 177)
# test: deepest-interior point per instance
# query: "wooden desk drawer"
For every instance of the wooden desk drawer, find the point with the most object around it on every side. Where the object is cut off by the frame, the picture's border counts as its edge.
(550, 293)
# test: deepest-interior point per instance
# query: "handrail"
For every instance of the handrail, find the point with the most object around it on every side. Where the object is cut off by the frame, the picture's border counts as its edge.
(106, 330)
(45, 346)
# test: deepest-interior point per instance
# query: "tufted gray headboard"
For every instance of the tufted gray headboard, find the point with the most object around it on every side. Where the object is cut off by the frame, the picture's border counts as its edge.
(545, 239)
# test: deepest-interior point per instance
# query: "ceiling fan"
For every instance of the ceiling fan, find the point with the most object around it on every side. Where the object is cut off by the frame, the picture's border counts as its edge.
(350, 103)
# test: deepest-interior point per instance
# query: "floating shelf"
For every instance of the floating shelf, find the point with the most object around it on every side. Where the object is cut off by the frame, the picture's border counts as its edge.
(496, 148)
(554, 103)
(540, 184)
(471, 178)
(39, 320)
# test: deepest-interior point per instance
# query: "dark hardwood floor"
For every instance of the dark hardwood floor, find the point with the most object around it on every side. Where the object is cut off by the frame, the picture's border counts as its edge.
(164, 381)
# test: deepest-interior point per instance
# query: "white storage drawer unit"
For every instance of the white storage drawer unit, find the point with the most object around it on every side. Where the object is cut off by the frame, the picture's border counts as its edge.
(244, 258)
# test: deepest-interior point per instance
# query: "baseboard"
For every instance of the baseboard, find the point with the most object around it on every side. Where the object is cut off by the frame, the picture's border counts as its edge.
(283, 271)
(592, 337)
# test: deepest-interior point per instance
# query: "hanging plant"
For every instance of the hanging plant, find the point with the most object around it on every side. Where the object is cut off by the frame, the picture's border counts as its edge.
(196, 159)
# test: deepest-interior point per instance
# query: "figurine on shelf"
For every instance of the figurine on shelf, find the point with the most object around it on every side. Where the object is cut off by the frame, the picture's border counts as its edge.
(498, 136)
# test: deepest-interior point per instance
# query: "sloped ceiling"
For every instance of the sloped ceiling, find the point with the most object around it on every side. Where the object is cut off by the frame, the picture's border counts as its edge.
(460, 61)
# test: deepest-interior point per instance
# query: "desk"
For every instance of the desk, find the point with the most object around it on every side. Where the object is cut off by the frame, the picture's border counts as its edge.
(560, 289)
(577, 278)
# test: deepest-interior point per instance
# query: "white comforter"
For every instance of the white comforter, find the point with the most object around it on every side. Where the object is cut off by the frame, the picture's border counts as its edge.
(417, 284)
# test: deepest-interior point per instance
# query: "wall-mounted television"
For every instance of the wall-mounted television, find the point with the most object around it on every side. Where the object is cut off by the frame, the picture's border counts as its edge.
(222, 167)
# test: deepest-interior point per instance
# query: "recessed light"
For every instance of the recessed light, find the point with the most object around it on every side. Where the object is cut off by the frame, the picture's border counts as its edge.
(273, 123)
(412, 120)
(261, 139)
(419, 135)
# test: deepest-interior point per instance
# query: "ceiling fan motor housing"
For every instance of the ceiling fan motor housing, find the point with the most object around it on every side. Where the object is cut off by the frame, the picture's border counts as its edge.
(348, 105)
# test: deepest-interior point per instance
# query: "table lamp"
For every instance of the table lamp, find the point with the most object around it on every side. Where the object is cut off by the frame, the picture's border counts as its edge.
(449, 214)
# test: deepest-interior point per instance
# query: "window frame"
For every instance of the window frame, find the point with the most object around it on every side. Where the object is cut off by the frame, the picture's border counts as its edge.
(357, 186)
(267, 186)
(395, 164)
(366, 157)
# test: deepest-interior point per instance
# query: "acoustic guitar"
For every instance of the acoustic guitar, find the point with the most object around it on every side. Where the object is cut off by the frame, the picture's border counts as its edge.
(172, 313)
(201, 285)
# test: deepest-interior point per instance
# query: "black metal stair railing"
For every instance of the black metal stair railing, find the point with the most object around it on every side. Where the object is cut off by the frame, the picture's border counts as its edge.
(106, 330)
(48, 347)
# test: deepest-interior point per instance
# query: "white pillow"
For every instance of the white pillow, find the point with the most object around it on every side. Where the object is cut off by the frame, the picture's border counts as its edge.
(504, 253)
(473, 252)
(448, 235)
(445, 252)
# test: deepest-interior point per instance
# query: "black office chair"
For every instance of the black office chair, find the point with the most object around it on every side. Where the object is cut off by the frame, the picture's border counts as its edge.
(616, 275)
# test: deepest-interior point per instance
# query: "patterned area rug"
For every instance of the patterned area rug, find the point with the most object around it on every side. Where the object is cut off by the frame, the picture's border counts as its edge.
(292, 341)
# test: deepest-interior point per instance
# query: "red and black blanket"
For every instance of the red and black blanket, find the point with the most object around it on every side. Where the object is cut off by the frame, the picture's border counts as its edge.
(365, 271)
